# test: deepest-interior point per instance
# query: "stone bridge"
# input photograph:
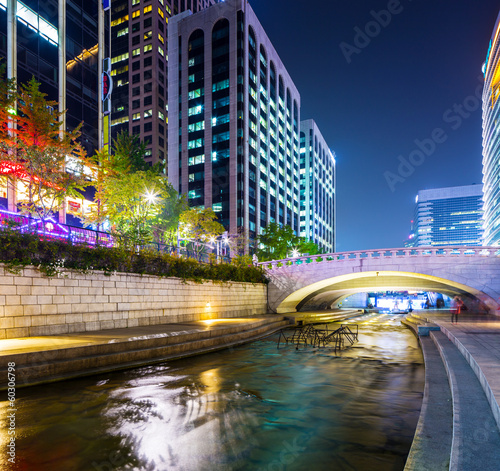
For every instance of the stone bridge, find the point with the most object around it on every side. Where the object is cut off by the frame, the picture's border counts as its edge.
(325, 280)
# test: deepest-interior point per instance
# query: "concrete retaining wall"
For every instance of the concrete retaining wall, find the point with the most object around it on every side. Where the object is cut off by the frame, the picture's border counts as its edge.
(32, 304)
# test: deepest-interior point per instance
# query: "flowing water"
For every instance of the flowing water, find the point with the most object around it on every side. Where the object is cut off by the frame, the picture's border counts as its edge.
(253, 407)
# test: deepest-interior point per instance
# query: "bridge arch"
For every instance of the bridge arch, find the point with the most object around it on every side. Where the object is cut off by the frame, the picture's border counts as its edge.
(473, 273)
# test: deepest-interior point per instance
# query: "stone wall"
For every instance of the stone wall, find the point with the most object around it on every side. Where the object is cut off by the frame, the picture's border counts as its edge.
(32, 304)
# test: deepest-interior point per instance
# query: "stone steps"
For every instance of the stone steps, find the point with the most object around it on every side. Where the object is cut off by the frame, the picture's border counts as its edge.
(50, 365)
(456, 429)
(476, 438)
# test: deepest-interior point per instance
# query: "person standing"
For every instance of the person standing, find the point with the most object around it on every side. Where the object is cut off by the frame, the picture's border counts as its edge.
(456, 304)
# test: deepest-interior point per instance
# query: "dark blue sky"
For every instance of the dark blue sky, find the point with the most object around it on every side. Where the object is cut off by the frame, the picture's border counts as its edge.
(417, 75)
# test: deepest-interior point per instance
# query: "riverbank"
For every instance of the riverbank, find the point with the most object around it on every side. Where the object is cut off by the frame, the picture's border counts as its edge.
(460, 417)
(53, 358)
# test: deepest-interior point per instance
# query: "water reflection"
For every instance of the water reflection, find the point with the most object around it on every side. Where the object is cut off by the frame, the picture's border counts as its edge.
(250, 408)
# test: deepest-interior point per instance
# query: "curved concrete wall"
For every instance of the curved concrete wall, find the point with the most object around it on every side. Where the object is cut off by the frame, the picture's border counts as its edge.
(32, 304)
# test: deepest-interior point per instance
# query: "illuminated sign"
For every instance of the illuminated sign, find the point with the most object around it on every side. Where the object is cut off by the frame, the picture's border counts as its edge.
(106, 4)
(107, 86)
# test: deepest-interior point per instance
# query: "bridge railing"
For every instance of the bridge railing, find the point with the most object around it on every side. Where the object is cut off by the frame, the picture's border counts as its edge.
(383, 254)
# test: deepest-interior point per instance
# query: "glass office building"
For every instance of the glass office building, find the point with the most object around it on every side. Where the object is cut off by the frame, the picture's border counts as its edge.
(449, 216)
(63, 45)
(491, 140)
(234, 116)
(317, 187)
(139, 69)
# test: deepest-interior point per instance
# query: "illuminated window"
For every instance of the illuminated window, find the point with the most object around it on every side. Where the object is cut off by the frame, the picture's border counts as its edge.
(148, 47)
(136, 116)
(120, 70)
(135, 2)
(136, 14)
(160, 12)
(119, 58)
(160, 50)
(195, 93)
(122, 32)
(119, 21)
(114, 122)
(199, 159)
(148, 113)
(160, 37)
(136, 52)
(161, 115)
(148, 35)
(199, 126)
(148, 9)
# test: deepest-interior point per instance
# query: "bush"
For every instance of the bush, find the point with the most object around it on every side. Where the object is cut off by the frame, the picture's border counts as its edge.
(51, 256)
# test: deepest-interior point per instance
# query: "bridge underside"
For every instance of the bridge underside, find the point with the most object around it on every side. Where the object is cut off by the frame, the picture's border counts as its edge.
(328, 293)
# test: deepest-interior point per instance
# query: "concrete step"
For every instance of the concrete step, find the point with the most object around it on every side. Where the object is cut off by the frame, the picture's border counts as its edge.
(431, 447)
(419, 325)
(476, 437)
(58, 364)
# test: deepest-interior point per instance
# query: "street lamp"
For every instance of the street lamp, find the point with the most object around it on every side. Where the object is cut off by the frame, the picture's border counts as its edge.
(150, 197)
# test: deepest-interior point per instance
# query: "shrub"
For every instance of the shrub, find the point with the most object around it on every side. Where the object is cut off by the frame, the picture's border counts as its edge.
(51, 256)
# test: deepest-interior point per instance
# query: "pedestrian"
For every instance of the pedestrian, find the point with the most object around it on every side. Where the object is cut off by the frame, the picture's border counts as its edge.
(456, 304)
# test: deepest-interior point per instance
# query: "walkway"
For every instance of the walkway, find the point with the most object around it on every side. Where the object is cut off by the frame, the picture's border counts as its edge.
(470, 352)
(52, 358)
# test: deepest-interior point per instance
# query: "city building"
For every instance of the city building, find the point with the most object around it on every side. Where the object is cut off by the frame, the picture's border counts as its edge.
(449, 216)
(234, 114)
(491, 140)
(139, 69)
(317, 187)
(63, 45)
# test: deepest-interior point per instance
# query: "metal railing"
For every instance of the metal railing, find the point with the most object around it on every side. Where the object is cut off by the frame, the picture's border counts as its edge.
(321, 338)
(81, 235)
(383, 254)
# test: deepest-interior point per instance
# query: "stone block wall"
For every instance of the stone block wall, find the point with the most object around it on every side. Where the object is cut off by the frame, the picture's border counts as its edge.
(32, 304)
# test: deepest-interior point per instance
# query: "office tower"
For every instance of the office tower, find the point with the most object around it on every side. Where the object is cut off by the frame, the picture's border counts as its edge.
(449, 216)
(139, 69)
(491, 141)
(63, 45)
(317, 187)
(233, 136)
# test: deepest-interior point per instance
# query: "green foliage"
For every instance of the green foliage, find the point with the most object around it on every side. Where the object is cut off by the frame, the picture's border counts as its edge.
(129, 154)
(52, 257)
(278, 242)
(199, 227)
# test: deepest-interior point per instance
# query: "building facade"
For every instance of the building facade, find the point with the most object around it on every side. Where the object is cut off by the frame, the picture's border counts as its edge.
(139, 69)
(449, 216)
(491, 140)
(63, 45)
(234, 114)
(317, 188)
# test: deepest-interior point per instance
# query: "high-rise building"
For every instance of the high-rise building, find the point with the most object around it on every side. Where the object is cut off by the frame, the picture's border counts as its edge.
(63, 45)
(449, 216)
(317, 187)
(233, 136)
(491, 140)
(139, 69)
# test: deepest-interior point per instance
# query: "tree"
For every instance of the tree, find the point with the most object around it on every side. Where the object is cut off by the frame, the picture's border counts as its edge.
(132, 203)
(7, 104)
(199, 227)
(278, 242)
(129, 153)
(48, 160)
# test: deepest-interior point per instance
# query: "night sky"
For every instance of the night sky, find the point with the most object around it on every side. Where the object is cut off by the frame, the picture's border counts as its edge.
(374, 101)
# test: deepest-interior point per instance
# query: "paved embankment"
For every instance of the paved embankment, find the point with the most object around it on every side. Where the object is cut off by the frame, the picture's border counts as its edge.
(52, 358)
(470, 364)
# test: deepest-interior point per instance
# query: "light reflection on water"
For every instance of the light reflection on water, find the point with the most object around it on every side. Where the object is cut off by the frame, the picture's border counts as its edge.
(250, 408)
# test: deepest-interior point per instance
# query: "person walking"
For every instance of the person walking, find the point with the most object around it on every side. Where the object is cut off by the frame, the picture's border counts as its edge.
(456, 304)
